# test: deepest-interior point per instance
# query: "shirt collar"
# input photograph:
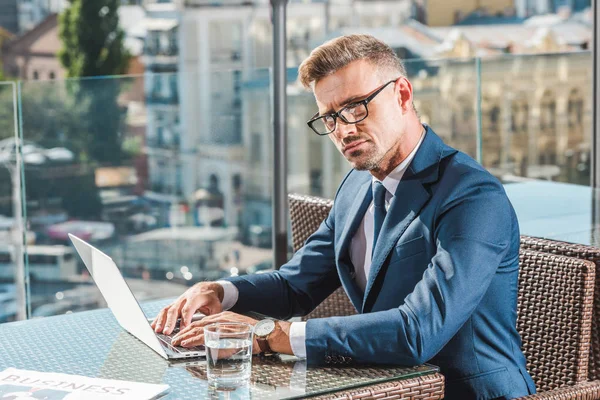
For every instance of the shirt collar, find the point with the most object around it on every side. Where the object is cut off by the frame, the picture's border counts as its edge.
(392, 181)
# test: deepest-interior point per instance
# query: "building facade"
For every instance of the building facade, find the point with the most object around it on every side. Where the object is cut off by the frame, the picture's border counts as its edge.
(226, 53)
(33, 55)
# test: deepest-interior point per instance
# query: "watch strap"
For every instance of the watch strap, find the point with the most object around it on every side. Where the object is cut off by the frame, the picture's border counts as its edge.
(263, 344)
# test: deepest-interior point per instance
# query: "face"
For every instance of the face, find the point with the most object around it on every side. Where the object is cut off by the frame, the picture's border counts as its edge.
(373, 143)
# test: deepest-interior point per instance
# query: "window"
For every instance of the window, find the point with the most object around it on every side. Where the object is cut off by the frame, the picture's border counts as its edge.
(173, 42)
(495, 118)
(462, 116)
(575, 109)
(255, 148)
(36, 75)
(160, 136)
(5, 258)
(173, 84)
(490, 116)
(51, 75)
(519, 115)
(41, 259)
(547, 111)
(156, 85)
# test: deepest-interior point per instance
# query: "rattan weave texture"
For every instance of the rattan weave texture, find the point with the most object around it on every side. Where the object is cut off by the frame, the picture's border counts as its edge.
(580, 391)
(306, 214)
(586, 253)
(555, 304)
(428, 387)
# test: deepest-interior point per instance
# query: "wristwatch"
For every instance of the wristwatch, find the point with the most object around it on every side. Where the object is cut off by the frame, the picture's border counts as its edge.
(262, 330)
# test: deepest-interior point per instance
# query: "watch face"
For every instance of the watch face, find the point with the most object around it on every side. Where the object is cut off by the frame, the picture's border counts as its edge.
(264, 327)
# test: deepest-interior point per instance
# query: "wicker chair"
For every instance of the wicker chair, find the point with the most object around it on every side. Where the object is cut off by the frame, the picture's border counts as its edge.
(554, 307)
(585, 253)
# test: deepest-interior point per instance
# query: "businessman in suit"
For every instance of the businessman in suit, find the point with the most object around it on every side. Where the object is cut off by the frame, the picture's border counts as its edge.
(423, 240)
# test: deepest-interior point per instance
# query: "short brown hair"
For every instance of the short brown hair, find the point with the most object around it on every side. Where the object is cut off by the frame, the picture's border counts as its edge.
(337, 53)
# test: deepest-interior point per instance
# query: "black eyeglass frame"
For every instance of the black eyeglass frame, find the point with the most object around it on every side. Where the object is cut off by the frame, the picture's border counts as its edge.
(338, 114)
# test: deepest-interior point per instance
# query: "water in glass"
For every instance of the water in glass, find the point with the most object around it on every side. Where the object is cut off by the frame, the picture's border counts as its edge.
(228, 357)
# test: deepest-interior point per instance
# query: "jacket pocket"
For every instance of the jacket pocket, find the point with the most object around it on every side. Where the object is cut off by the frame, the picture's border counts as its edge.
(483, 386)
(409, 248)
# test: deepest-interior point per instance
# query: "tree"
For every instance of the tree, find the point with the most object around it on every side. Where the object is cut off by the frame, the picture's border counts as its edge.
(93, 45)
(93, 41)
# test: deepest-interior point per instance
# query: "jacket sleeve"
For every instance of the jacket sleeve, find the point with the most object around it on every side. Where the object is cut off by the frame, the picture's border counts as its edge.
(473, 230)
(299, 285)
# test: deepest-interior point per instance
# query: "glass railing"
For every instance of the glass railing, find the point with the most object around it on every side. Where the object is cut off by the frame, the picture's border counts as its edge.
(12, 272)
(170, 174)
(536, 115)
(158, 180)
(536, 135)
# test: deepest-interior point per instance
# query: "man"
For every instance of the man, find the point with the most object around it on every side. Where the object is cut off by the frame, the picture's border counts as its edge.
(422, 238)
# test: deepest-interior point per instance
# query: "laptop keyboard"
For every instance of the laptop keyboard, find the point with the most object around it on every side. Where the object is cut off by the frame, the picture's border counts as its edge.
(167, 339)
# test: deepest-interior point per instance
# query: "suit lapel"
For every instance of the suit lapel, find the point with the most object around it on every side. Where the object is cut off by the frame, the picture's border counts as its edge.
(355, 213)
(410, 197)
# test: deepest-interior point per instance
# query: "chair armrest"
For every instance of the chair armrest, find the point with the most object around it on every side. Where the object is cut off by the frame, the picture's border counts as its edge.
(580, 391)
(430, 387)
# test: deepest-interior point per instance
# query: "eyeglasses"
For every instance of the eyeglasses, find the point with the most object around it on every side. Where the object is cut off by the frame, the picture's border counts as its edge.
(351, 114)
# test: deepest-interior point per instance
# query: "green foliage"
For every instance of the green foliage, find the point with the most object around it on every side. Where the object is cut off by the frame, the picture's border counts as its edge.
(93, 45)
(51, 117)
(93, 42)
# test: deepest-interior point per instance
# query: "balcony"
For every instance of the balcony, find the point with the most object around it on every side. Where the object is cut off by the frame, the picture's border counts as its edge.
(157, 143)
(539, 148)
(170, 51)
(161, 99)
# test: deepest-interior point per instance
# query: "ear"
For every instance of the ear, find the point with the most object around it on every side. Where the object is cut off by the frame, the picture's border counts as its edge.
(404, 89)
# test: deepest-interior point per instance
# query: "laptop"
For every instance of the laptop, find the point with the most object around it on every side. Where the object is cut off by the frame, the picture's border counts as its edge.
(125, 307)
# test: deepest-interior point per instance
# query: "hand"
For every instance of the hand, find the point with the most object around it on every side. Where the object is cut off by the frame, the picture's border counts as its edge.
(205, 297)
(193, 334)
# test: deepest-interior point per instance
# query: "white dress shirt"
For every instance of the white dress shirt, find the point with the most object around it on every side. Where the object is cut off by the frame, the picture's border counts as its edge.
(360, 253)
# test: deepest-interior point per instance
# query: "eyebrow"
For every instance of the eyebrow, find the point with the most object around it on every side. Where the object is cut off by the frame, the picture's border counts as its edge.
(344, 103)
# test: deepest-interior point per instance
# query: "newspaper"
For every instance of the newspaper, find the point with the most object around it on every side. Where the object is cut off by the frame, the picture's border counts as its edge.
(19, 384)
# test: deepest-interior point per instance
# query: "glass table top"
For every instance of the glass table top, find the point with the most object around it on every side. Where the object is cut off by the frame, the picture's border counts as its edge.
(92, 343)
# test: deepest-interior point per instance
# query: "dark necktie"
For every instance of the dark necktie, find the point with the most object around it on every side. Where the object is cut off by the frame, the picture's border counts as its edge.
(379, 192)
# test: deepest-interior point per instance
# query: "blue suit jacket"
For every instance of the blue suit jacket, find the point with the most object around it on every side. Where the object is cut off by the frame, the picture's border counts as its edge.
(442, 286)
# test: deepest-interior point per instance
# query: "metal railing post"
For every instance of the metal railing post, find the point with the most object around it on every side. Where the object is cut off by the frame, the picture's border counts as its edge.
(280, 206)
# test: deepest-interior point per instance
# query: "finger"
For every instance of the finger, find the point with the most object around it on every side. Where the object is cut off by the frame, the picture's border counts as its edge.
(223, 353)
(209, 319)
(215, 306)
(194, 341)
(159, 320)
(189, 328)
(190, 307)
(158, 317)
(172, 316)
(226, 316)
(189, 334)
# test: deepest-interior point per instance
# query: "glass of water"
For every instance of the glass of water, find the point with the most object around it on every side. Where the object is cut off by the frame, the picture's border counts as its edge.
(228, 354)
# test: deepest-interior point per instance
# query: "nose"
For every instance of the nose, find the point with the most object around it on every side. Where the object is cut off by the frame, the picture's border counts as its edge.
(343, 129)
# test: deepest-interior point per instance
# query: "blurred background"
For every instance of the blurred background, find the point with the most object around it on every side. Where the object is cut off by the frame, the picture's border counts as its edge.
(146, 127)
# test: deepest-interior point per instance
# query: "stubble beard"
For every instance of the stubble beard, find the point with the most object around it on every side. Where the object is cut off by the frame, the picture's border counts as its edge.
(371, 162)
